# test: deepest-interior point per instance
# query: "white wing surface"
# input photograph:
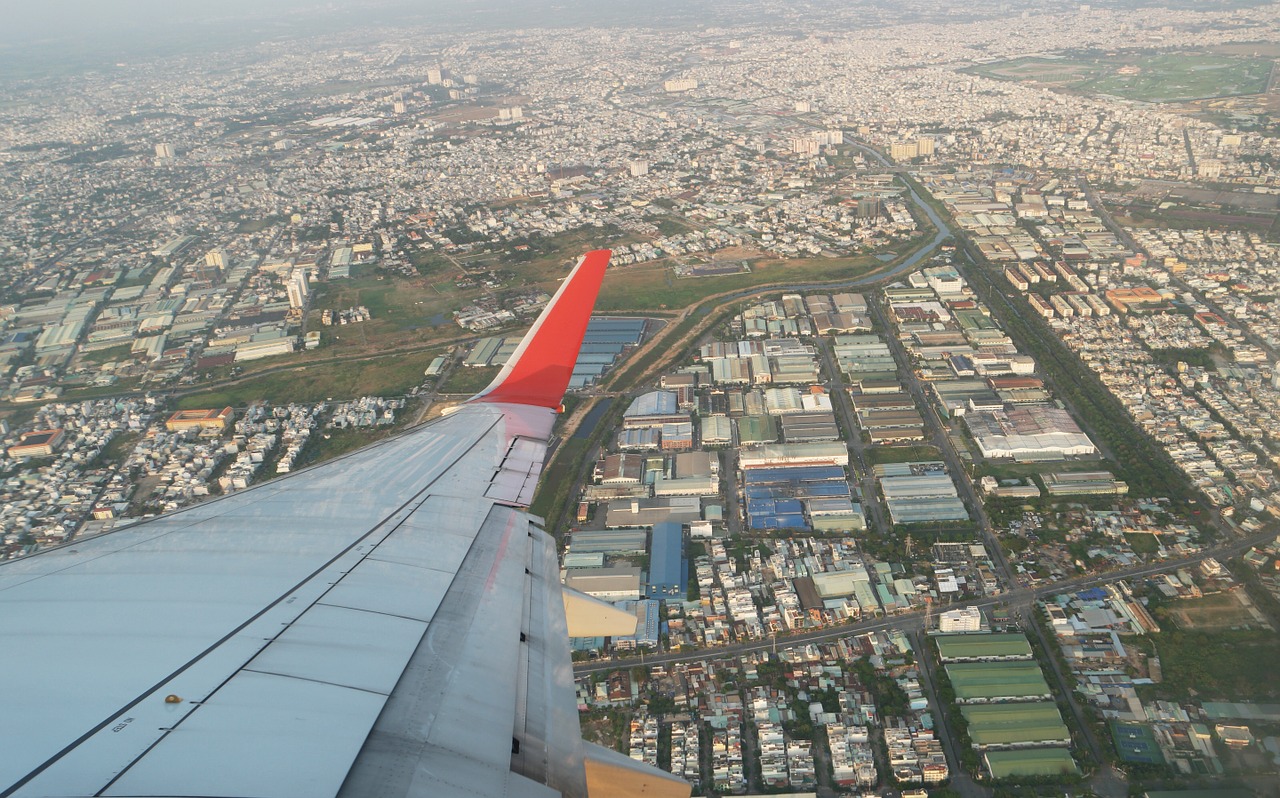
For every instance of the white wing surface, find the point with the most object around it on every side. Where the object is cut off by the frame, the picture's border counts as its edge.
(389, 623)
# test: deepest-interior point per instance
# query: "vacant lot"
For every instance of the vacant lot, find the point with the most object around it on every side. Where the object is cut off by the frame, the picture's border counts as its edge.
(1225, 665)
(1219, 611)
(388, 376)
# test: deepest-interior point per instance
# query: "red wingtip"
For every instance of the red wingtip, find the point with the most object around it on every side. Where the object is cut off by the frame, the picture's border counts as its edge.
(539, 370)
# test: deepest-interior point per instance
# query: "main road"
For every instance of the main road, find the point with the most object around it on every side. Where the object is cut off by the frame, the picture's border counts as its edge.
(909, 622)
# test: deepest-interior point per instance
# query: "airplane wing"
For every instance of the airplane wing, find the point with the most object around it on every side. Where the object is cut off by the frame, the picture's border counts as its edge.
(389, 623)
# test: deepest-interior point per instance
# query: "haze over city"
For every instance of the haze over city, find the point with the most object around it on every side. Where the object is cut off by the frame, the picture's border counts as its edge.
(903, 420)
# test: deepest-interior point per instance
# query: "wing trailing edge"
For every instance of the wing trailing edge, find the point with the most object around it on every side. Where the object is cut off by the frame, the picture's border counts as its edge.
(539, 370)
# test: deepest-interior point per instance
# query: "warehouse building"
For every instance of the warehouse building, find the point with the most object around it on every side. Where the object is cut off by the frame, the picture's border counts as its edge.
(1026, 725)
(994, 682)
(809, 427)
(606, 584)
(783, 454)
(608, 541)
(647, 512)
(983, 648)
(668, 570)
(1028, 433)
(654, 409)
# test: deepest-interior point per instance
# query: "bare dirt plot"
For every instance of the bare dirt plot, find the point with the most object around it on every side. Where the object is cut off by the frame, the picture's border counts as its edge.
(1217, 611)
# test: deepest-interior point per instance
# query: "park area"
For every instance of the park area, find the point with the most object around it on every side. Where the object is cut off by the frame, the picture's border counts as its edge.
(1156, 78)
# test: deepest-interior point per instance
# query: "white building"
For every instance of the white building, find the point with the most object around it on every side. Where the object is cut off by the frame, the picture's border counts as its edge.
(965, 619)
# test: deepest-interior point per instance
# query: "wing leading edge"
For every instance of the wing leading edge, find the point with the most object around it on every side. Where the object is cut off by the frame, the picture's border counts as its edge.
(387, 623)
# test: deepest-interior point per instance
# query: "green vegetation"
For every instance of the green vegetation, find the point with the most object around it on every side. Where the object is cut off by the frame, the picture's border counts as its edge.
(656, 286)
(1158, 78)
(890, 698)
(1146, 467)
(109, 354)
(119, 448)
(387, 376)
(469, 381)
(1142, 542)
(1228, 664)
(1169, 358)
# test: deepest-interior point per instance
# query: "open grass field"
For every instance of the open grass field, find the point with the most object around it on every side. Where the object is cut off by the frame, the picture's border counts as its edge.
(654, 285)
(1157, 78)
(1225, 665)
(389, 376)
(463, 380)
(1217, 611)
(1142, 542)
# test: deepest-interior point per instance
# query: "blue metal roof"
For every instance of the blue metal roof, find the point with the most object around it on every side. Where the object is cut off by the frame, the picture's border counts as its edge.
(765, 476)
(668, 572)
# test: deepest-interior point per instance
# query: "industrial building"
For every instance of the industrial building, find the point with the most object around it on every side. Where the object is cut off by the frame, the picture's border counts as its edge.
(606, 584)
(647, 512)
(1028, 432)
(920, 492)
(608, 541)
(983, 648)
(653, 410)
(668, 570)
(773, 455)
(1028, 725)
(1033, 762)
(993, 682)
(810, 427)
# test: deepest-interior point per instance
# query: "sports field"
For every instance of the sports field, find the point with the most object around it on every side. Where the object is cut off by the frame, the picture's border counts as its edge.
(954, 648)
(1136, 743)
(996, 681)
(1013, 724)
(1032, 762)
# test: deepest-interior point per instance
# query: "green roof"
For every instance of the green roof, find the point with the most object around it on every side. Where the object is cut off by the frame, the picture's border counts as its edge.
(978, 680)
(757, 429)
(979, 646)
(1030, 762)
(1009, 724)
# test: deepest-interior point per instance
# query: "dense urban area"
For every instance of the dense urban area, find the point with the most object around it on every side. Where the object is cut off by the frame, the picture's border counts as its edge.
(929, 423)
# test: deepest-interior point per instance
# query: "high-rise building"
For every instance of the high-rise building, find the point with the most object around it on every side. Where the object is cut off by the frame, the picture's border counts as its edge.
(680, 84)
(435, 76)
(966, 619)
(297, 289)
(216, 257)
(164, 150)
(639, 168)
(903, 150)
(924, 146)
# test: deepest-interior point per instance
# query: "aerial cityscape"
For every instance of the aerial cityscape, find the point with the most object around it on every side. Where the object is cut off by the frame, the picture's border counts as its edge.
(927, 421)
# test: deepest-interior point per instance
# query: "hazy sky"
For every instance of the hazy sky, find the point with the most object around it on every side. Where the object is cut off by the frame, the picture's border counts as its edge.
(123, 21)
